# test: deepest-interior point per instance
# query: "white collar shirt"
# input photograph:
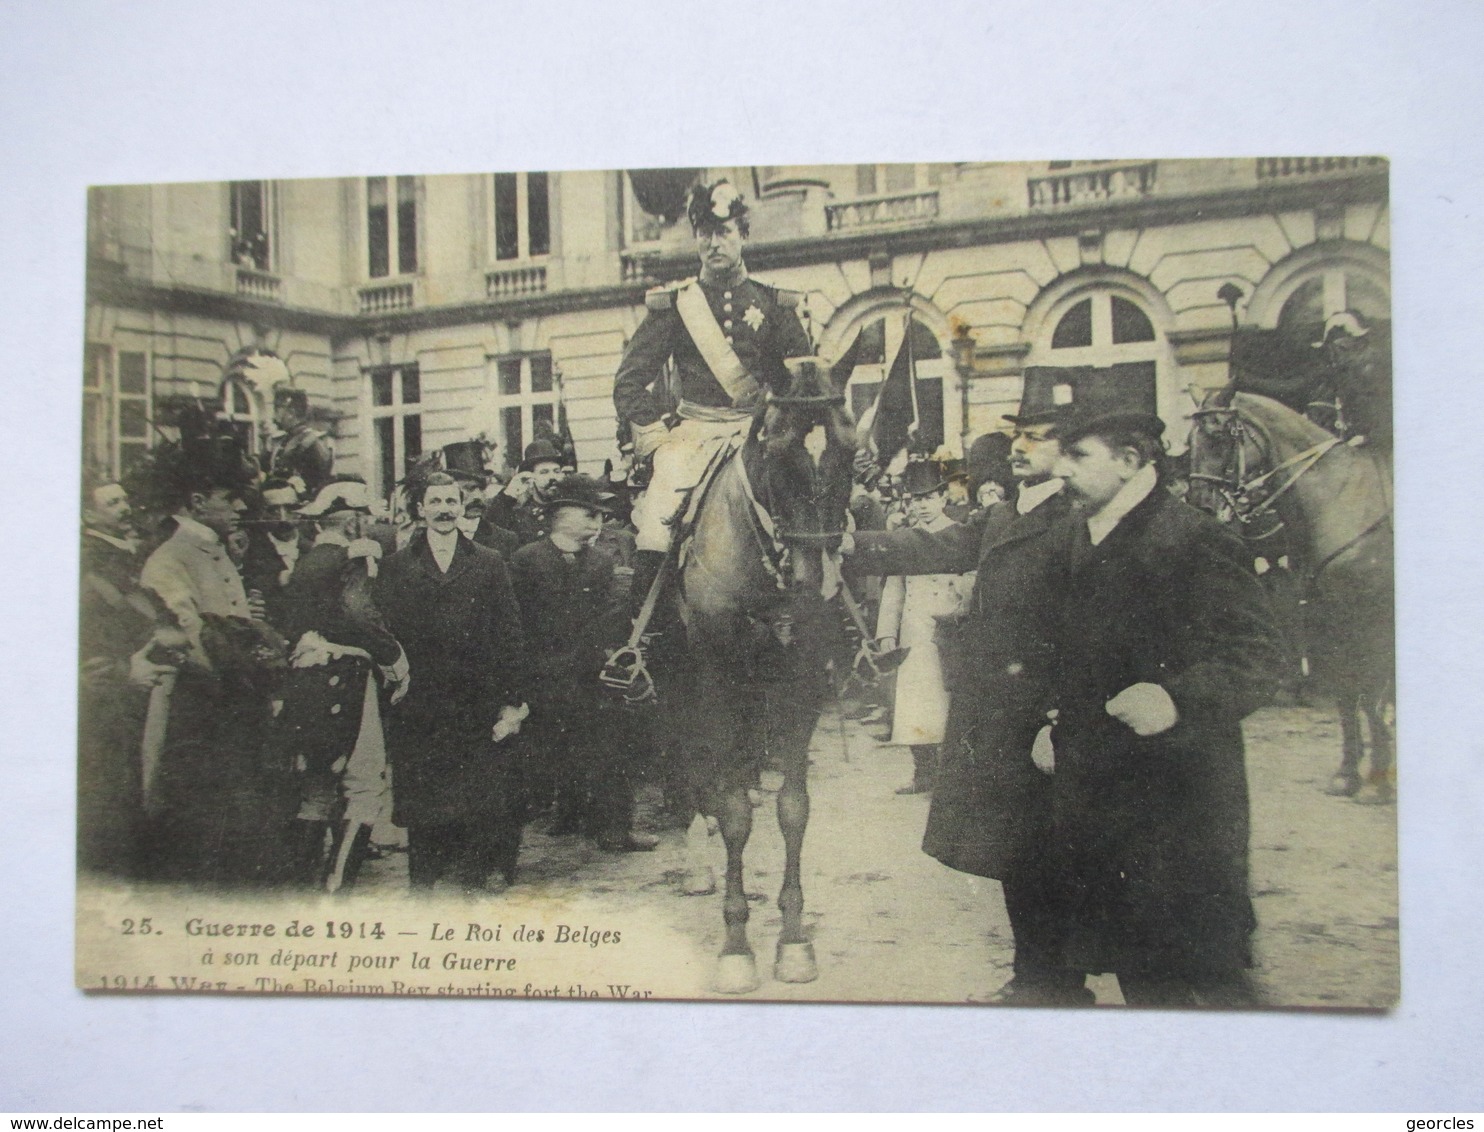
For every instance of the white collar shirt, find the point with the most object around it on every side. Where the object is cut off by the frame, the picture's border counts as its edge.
(1130, 495)
(1036, 494)
(443, 547)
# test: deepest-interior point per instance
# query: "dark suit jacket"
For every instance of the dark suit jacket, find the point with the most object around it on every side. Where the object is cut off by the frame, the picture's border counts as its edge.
(463, 638)
(567, 608)
(496, 537)
(1154, 830)
(991, 811)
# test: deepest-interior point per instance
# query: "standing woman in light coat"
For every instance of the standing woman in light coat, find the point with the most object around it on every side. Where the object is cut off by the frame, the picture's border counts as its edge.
(910, 608)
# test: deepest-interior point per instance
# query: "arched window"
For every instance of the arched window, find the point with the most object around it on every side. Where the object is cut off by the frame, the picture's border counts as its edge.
(1329, 291)
(240, 410)
(1107, 323)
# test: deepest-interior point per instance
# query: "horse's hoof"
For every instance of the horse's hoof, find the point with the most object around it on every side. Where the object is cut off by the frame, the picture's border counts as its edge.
(736, 974)
(1343, 786)
(1376, 794)
(699, 882)
(795, 963)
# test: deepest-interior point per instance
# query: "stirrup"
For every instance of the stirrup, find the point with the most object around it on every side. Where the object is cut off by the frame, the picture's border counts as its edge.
(625, 671)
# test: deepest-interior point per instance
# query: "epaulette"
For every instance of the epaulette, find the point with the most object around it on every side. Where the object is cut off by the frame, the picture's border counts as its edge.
(789, 300)
(662, 298)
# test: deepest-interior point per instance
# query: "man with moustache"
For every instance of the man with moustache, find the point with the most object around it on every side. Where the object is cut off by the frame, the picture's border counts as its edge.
(1162, 641)
(455, 774)
(728, 336)
(991, 810)
(276, 543)
(522, 506)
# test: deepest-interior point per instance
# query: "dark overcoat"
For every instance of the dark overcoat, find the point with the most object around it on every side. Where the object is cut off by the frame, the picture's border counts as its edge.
(1154, 831)
(329, 594)
(462, 635)
(991, 807)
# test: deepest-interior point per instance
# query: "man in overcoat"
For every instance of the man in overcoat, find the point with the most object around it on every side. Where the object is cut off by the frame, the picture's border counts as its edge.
(564, 583)
(991, 813)
(1163, 641)
(455, 774)
(329, 729)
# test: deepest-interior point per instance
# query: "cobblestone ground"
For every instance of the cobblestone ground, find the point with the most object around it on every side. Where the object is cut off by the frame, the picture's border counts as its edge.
(891, 924)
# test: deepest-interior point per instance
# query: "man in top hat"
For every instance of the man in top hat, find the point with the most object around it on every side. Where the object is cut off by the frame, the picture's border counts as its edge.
(521, 507)
(564, 584)
(908, 618)
(204, 780)
(1162, 641)
(329, 727)
(727, 335)
(455, 773)
(465, 462)
(302, 452)
(991, 809)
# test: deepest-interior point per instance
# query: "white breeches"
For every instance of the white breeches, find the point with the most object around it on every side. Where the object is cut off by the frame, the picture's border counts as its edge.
(679, 462)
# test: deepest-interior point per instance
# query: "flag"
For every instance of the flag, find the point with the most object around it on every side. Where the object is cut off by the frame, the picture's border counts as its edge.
(893, 420)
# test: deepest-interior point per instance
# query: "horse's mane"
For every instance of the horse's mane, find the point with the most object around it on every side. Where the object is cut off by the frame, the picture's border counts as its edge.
(1276, 418)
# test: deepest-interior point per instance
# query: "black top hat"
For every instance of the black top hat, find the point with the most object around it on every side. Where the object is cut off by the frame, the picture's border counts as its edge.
(1119, 397)
(1045, 392)
(581, 491)
(540, 452)
(923, 477)
(465, 460)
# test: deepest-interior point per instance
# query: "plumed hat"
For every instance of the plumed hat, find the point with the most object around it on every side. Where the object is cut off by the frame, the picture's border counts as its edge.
(339, 495)
(713, 205)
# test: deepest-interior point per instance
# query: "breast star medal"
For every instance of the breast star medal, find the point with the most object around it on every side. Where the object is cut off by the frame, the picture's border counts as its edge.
(753, 317)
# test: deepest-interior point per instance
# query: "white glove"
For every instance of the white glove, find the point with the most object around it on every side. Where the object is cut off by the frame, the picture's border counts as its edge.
(509, 722)
(1146, 708)
(648, 437)
(1043, 753)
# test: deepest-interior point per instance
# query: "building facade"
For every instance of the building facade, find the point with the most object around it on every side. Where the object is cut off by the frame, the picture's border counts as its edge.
(419, 311)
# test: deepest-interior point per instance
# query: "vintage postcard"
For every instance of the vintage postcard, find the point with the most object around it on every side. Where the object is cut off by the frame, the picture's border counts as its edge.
(943, 583)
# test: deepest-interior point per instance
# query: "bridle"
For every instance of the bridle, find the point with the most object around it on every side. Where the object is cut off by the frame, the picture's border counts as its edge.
(1252, 499)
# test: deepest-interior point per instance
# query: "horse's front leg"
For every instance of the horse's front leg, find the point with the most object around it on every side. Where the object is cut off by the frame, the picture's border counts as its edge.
(1346, 781)
(1380, 784)
(795, 961)
(736, 969)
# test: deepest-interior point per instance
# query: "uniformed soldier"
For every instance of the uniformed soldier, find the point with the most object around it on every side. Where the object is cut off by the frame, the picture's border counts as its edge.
(727, 336)
(302, 452)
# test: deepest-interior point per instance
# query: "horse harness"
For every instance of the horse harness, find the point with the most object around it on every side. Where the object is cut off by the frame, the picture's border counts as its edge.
(1252, 500)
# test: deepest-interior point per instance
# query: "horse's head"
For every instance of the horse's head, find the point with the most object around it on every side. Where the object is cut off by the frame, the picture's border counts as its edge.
(807, 445)
(1216, 456)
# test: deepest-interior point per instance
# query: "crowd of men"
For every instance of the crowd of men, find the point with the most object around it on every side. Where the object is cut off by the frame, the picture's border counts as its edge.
(1077, 648)
(273, 670)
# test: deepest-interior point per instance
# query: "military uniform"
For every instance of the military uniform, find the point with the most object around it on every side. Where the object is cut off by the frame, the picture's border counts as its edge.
(759, 325)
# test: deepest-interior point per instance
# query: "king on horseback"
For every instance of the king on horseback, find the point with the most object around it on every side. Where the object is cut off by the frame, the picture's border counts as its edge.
(708, 351)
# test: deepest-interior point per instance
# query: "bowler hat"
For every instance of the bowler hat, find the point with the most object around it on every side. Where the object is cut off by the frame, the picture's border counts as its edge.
(923, 477)
(540, 452)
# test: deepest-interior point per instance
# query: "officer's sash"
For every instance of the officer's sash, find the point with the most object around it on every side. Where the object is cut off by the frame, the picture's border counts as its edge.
(715, 350)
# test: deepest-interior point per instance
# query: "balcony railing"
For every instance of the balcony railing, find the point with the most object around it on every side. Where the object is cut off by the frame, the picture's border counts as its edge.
(257, 284)
(636, 268)
(386, 298)
(1269, 168)
(1092, 185)
(514, 282)
(869, 212)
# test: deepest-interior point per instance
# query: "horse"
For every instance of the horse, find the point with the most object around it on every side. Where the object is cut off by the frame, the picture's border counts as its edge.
(755, 576)
(1289, 486)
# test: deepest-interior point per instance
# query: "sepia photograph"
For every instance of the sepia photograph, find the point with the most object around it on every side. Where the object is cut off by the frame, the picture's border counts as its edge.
(963, 583)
